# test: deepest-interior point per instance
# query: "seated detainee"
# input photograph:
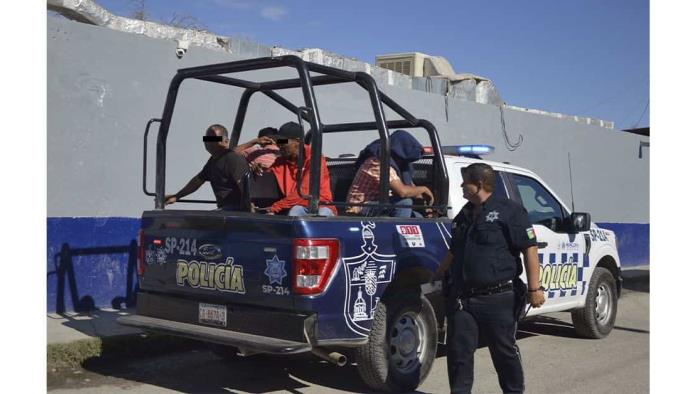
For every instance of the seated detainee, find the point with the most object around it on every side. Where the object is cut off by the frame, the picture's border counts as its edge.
(404, 150)
(289, 140)
(225, 170)
(260, 152)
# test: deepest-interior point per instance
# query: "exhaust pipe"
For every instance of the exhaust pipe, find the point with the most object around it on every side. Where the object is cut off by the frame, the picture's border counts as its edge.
(333, 357)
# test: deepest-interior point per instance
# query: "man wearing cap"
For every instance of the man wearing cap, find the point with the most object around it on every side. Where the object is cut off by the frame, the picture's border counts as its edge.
(289, 140)
(225, 171)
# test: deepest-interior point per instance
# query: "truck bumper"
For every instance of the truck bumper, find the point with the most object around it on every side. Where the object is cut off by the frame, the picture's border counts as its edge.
(249, 328)
(242, 340)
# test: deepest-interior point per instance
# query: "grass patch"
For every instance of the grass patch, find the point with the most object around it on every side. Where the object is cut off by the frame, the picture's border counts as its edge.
(124, 347)
(71, 355)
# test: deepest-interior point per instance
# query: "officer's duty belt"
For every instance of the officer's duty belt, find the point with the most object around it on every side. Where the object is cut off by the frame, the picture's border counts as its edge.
(486, 290)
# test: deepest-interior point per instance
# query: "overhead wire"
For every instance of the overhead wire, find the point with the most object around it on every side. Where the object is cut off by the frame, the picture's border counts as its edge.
(642, 114)
(629, 87)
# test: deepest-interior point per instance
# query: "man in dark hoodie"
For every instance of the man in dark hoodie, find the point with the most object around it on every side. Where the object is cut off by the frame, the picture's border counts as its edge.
(404, 149)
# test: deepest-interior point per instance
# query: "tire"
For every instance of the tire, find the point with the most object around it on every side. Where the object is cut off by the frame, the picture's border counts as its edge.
(596, 319)
(402, 344)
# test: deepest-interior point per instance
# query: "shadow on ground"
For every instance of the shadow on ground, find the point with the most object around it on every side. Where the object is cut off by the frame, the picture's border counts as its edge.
(97, 323)
(195, 369)
(200, 371)
(636, 280)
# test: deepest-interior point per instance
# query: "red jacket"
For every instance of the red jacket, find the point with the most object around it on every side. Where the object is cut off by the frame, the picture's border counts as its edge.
(285, 172)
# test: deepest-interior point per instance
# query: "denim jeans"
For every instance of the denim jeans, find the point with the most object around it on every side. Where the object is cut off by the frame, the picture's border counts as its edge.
(299, 210)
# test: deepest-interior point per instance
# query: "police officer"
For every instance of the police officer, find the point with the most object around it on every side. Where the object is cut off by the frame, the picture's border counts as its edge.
(482, 265)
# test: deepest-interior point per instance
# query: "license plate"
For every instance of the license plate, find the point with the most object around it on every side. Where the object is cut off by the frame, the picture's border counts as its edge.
(212, 314)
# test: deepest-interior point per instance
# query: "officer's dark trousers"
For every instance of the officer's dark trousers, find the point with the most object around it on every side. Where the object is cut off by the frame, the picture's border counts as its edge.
(491, 317)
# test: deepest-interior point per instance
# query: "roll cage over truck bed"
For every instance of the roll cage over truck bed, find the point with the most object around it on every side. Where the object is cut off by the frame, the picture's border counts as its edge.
(309, 112)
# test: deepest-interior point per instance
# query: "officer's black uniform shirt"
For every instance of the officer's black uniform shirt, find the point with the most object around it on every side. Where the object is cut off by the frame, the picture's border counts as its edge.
(225, 173)
(487, 248)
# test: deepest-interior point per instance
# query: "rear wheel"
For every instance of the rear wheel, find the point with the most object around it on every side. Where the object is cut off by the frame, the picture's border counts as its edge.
(402, 344)
(596, 319)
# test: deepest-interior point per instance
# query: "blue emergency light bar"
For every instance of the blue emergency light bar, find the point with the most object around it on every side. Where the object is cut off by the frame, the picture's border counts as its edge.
(468, 150)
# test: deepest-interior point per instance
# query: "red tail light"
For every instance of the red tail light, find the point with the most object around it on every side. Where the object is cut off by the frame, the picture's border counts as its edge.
(141, 253)
(313, 263)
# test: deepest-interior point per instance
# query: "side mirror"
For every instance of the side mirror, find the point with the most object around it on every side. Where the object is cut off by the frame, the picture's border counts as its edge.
(579, 222)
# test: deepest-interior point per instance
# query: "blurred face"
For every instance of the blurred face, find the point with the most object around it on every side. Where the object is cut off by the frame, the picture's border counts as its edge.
(216, 147)
(288, 147)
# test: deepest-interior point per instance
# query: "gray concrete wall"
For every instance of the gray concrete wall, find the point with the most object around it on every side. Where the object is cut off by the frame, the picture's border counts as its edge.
(104, 85)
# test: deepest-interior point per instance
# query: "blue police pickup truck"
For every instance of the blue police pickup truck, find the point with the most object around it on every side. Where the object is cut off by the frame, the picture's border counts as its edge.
(342, 286)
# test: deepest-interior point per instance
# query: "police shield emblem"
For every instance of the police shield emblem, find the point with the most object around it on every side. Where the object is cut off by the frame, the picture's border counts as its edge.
(366, 275)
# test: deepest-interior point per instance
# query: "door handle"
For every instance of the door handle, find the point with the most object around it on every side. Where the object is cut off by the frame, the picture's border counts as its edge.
(542, 245)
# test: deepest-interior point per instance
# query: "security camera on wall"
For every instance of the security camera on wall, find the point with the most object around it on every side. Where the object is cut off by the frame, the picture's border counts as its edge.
(182, 47)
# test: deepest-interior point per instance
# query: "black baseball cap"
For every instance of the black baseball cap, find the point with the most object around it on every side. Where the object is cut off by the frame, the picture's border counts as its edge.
(290, 130)
(268, 132)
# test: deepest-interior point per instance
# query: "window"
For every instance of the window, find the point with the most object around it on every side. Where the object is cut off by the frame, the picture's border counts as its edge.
(403, 67)
(398, 67)
(540, 204)
(387, 65)
(499, 185)
(407, 68)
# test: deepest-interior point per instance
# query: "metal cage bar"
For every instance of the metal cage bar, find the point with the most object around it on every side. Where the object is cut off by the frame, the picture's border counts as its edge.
(212, 73)
(367, 82)
(296, 83)
(230, 81)
(147, 131)
(241, 114)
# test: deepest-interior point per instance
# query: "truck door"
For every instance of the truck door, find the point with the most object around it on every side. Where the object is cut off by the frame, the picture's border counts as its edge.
(560, 253)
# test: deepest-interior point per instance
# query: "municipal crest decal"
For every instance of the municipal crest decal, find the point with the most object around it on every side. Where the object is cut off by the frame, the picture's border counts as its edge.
(155, 255)
(367, 274)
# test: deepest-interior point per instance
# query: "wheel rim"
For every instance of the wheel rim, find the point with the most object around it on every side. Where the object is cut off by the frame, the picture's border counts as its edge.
(407, 343)
(603, 304)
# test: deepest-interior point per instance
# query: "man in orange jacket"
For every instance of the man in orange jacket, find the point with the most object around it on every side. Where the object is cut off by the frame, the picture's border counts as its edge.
(289, 139)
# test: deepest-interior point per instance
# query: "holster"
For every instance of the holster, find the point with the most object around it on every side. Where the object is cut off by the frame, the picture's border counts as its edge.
(520, 290)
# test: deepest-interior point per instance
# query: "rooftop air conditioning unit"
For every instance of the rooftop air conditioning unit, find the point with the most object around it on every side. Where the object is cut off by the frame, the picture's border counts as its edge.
(410, 64)
(415, 64)
(464, 85)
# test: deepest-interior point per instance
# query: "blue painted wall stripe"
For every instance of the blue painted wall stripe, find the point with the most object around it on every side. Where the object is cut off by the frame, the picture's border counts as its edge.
(633, 242)
(88, 261)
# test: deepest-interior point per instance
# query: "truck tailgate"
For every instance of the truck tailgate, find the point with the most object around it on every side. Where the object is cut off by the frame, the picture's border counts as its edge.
(218, 257)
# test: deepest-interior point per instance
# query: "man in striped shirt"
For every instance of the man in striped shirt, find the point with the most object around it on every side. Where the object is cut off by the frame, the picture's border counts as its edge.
(404, 150)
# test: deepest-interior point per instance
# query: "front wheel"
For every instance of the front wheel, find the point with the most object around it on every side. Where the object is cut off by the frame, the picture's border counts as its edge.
(402, 344)
(596, 319)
